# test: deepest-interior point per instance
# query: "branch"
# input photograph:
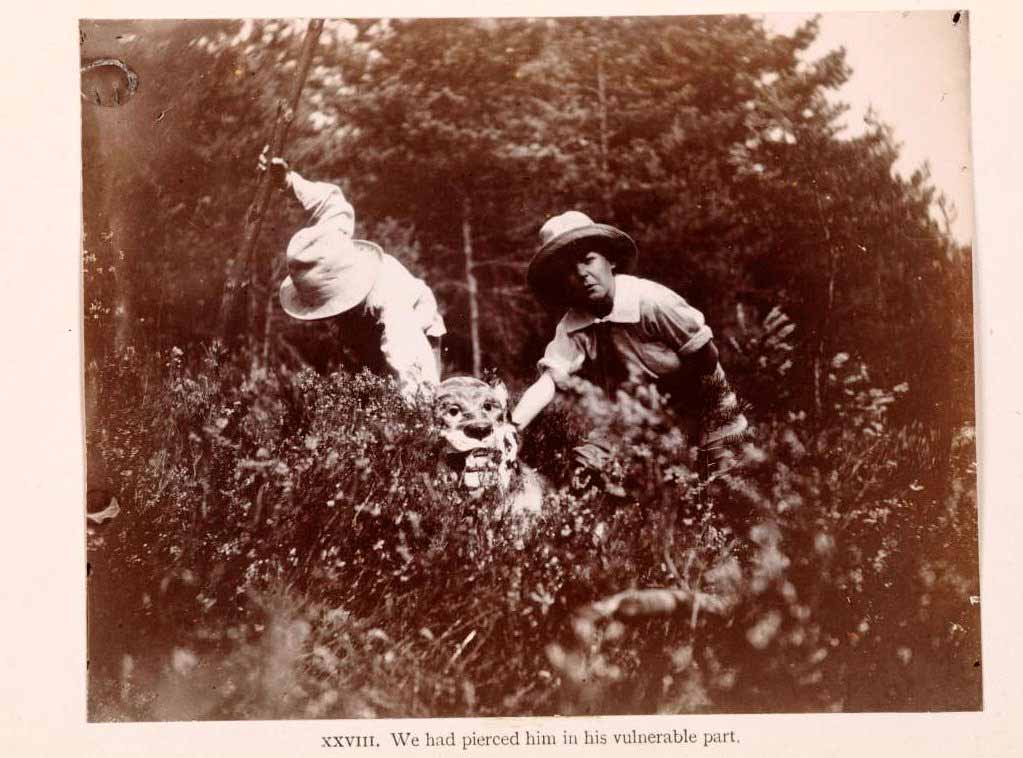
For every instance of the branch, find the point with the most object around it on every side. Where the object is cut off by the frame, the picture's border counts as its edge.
(451, 284)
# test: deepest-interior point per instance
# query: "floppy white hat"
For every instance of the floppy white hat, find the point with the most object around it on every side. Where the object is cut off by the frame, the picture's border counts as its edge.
(329, 273)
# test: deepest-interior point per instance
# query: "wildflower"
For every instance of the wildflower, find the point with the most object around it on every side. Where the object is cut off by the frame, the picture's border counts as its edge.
(183, 661)
(823, 543)
(761, 633)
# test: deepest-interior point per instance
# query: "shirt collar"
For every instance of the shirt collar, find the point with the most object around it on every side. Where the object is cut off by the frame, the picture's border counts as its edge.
(625, 309)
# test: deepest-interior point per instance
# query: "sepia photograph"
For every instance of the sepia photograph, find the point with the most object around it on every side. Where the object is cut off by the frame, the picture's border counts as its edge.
(527, 367)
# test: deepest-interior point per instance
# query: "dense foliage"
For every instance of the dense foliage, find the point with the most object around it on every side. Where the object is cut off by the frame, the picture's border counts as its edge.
(266, 565)
(716, 145)
(286, 547)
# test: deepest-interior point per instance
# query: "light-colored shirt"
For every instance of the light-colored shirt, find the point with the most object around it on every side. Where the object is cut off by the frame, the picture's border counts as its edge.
(401, 303)
(645, 339)
(407, 310)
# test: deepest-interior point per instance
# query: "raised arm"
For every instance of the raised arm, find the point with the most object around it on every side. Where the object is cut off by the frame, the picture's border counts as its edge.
(325, 201)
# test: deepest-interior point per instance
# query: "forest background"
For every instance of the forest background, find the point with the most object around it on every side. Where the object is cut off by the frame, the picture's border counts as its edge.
(840, 298)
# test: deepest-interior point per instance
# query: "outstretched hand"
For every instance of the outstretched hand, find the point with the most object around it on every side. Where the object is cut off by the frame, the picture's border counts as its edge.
(278, 168)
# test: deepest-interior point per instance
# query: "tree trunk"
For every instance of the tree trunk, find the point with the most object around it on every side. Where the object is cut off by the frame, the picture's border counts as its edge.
(605, 164)
(472, 287)
(820, 371)
(268, 313)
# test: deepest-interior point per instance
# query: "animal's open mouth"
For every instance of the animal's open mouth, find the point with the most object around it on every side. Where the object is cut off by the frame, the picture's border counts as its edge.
(479, 467)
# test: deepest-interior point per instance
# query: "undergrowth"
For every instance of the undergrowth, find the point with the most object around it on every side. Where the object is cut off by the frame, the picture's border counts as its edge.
(287, 548)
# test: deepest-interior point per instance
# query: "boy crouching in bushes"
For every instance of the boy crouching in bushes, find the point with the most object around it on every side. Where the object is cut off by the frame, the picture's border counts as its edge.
(620, 329)
(377, 308)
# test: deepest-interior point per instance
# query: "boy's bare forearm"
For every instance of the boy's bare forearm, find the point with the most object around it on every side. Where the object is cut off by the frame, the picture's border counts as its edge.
(534, 400)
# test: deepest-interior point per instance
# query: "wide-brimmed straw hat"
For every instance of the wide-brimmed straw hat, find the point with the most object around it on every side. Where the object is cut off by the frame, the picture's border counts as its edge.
(330, 273)
(571, 232)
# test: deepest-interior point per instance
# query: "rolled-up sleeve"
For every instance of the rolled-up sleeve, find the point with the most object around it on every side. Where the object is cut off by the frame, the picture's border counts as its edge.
(325, 202)
(564, 355)
(678, 324)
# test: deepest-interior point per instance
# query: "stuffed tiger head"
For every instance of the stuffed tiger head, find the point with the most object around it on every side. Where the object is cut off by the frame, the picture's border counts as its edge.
(482, 446)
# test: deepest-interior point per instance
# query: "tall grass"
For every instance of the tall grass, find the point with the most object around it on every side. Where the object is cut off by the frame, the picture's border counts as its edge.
(287, 548)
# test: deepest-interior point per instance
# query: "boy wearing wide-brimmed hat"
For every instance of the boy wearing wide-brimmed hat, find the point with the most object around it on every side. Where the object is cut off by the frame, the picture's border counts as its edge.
(621, 329)
(388, 316)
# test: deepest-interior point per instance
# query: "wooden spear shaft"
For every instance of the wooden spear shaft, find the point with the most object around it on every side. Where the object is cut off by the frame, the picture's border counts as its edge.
(243, 271)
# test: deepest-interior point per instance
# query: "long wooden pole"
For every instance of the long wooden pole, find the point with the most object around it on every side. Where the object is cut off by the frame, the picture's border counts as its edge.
(243, 273)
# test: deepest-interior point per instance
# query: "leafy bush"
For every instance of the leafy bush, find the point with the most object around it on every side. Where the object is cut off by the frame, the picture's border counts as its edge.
(288, 548)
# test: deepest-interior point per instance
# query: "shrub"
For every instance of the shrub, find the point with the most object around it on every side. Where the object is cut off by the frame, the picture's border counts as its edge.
(287, 548)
